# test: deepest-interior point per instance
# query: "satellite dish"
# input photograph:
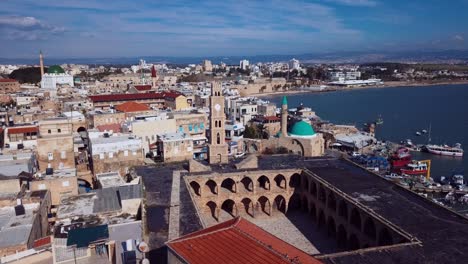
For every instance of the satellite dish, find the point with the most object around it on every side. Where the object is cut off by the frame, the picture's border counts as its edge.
(143, 247)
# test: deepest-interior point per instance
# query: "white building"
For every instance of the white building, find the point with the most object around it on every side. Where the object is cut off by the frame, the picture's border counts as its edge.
(56, 76)
(244, 64)
(294, 64)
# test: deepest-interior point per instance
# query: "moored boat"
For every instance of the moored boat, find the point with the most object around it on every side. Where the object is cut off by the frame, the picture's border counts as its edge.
(400, 158)
(444, 150)
(415, 168)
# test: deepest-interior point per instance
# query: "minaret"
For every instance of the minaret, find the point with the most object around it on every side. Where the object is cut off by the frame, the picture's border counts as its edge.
(41, 63)
(154, 76)
(217, 149)
(284, 117)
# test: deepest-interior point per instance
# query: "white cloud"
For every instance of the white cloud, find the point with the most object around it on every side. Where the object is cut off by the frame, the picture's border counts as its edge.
(27, 28)
(458, 38)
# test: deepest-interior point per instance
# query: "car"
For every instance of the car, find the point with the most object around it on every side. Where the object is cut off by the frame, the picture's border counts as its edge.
(355, 154)
(239, 155)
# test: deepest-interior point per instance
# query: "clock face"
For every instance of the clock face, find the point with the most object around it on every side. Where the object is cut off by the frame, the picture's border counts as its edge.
(217, 107)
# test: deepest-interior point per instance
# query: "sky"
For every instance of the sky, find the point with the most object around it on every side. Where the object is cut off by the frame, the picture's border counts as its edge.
(117, 28)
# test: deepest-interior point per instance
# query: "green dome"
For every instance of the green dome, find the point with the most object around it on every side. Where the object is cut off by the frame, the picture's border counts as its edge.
(302, 129)
(55, 69)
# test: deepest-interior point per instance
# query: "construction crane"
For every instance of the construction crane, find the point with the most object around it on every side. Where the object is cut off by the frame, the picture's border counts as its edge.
(428, 162)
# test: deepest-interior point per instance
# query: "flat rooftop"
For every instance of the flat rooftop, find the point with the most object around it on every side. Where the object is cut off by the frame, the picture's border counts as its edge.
(441, 231)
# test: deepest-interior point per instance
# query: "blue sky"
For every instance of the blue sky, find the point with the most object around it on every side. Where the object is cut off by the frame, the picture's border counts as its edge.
(85, 28)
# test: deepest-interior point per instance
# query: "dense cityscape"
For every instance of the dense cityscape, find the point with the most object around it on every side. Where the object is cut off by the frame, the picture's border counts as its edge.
(257, 159)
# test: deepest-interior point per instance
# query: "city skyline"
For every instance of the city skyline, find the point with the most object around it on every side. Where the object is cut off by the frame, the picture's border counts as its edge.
(211, 28)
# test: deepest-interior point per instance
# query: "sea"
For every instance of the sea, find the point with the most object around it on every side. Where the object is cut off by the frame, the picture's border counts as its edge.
(442, 109)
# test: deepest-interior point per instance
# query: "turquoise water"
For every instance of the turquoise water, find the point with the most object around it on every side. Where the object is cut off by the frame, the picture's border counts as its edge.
(405, 110)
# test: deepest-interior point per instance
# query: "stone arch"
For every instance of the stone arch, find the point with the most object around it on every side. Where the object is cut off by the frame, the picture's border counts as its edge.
(341, 237)
(305, 183)
(213, 209)
(385, 238)
(263, 182)
(294, 202)
(295, 180)
(229, 184)
(343, 210)
(322, 194)
(248, 206)
(247, 183)
(331, 201)
(355, 219)
(280, 204)
(313, 188)
(230, 207)
(195, 187)
(297, 147)
(321, 219)
(353, 242)
(313, 211)
(253, 148)
(304, 203)
(331, 227)
(280, 181)
(81, 129)
(211, 186)
(264, 205)
(369, 229)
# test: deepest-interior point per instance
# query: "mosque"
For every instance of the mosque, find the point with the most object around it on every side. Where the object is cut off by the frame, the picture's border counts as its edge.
(300, 138)
(54, 77)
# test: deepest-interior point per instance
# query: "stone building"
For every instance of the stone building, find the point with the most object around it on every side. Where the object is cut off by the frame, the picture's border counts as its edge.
(55, 148)
(23, 219)
(9, 86)
(262, 85)
(60, 183)
(98, 118)
(175, 147)
(115, 153)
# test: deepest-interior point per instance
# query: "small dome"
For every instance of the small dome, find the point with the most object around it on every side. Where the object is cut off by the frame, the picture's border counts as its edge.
(302, 129)
(55, 69)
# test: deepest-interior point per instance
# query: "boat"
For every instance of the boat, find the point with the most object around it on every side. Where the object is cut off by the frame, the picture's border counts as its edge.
(409, 143)
(400, 158)
(424, 131)
(379, 121)
(415, 168)
(444, 150)
(418, 133)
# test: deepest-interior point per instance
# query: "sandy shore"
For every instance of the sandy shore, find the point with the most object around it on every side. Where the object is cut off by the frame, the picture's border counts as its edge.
(385, 85)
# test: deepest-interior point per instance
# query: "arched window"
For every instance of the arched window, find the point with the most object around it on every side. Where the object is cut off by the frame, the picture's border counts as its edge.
(218, 139)
(355, 219)
(369, 228)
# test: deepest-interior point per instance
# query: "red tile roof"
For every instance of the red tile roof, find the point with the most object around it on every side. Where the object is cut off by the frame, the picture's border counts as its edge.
(114, 127)
(237, 241)
(8, 80)
(132, 107)
(125, 97)
(22, 130)
(272, 118)
(143, 87)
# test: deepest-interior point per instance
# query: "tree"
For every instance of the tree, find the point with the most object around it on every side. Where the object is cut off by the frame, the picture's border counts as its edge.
(250, 132)
(27, 75)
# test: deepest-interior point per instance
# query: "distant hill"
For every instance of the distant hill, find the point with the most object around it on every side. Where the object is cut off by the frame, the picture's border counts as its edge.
(447, 56)
(27, 75)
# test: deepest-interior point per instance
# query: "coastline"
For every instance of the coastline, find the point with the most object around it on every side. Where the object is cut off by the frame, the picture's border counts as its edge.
(392, 84)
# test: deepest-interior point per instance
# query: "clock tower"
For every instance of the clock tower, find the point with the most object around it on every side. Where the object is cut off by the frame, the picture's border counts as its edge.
(217, 149)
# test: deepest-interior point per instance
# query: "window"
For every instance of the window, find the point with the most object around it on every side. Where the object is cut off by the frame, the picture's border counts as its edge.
(111, 155)
(101, 156)
(49, 131)
(42, 186)
(125, 153)
(202, 126)
(50, 156)
(65, 184)
(190, 127)
(63, 154)
(134, 153)
(59, 130)
(181, 129)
